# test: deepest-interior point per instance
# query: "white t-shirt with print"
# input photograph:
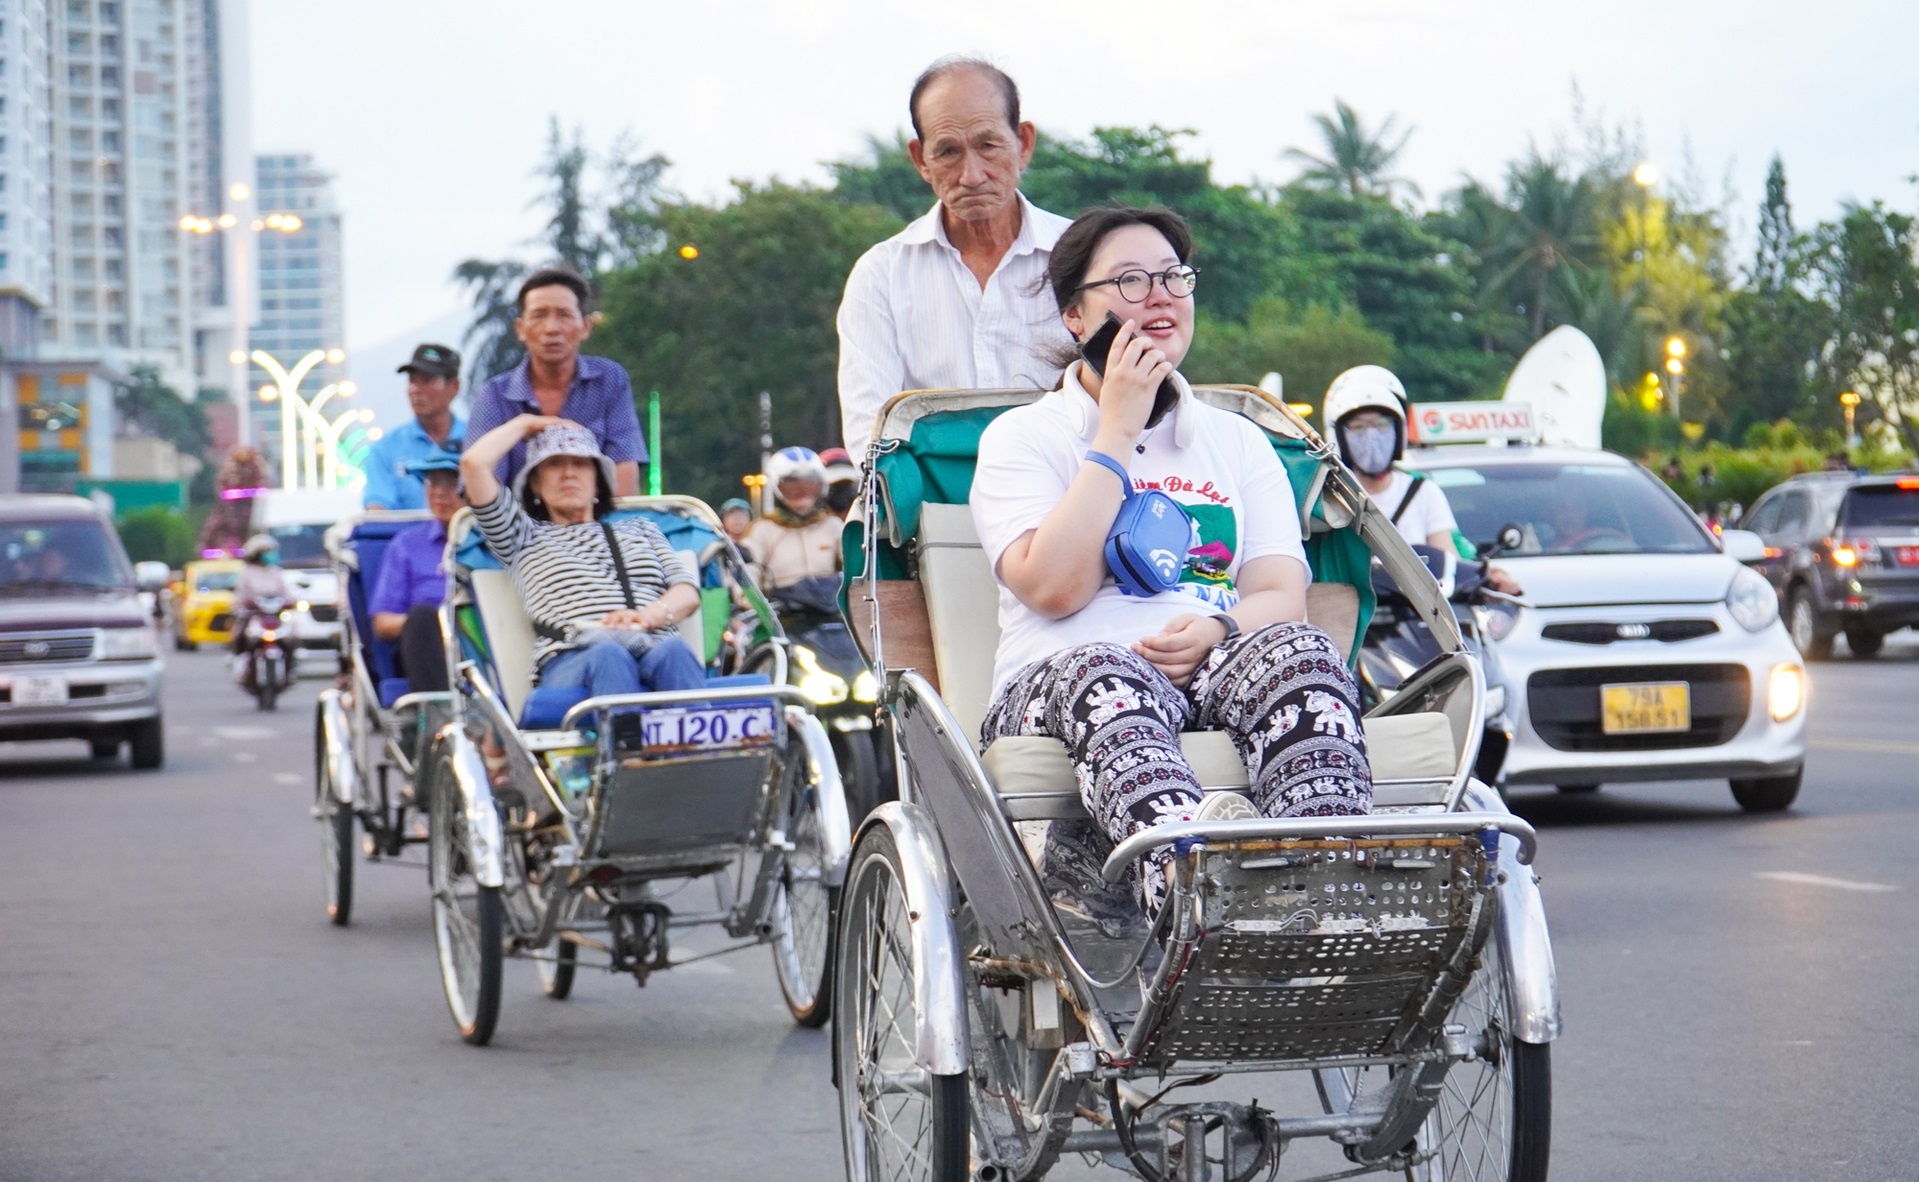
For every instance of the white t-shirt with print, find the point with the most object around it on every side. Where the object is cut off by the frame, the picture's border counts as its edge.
(1215, 463)
(1429, 513)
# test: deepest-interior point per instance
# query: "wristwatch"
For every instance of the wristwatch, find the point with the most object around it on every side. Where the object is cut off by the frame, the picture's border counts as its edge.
(1232, 626)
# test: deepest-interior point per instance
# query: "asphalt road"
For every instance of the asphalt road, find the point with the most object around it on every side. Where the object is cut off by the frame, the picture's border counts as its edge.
(174, 1005)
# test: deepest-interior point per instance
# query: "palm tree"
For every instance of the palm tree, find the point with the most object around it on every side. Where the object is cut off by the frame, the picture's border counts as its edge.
(1550, 228)
(1356, 159)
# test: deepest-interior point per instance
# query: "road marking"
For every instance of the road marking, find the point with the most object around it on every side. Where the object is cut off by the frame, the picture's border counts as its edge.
(244, 734)
(1838, 884)
(1872, 746)
(288, 778)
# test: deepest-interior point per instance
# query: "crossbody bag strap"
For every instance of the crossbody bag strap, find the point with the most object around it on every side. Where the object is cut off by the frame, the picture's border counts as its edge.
(619, 564)
(1412, 490)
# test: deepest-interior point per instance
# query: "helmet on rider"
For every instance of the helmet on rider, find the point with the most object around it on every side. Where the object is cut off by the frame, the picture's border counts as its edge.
(798, 479)
(260, 548)
(1366, 409)
(842, 479)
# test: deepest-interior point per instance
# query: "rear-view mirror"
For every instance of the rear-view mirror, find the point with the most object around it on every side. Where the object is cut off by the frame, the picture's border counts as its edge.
(1743, 545)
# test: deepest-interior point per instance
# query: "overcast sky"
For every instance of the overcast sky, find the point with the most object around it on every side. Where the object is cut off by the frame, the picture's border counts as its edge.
(431, 116)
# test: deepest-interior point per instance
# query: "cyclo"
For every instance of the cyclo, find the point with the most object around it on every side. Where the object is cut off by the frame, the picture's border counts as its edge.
(1398, 962)
(553, 817)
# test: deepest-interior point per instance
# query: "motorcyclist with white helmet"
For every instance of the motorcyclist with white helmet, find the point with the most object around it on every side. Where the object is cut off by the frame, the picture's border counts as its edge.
(800, 538)
(1366, 409)
(259, 579)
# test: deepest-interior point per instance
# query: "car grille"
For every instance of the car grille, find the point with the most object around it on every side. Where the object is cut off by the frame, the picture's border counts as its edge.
(1564, 706)
(46, 646)
(324, 613)
(1667, 631)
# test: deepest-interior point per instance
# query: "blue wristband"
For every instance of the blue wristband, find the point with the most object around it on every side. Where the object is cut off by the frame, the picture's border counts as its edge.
(1118, 469)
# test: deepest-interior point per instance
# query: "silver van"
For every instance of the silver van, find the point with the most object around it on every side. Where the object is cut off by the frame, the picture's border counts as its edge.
(78, 657)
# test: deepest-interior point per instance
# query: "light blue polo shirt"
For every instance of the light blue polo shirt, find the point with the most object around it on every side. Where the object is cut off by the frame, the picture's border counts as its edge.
(388, 483)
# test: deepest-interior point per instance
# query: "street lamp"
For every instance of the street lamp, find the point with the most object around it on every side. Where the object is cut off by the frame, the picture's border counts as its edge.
(1645, 176)
(328, 443)
(287, 388)
(1676, 366)
(1850, 400)
(239, 297)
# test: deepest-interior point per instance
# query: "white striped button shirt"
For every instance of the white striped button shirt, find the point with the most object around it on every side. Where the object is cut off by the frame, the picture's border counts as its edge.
(914, 318)
(565, 573)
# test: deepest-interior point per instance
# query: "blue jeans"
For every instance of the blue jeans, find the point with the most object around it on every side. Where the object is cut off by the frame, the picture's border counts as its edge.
(603, 666)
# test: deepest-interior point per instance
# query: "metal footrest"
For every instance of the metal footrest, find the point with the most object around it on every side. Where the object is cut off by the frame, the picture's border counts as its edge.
(1285, 950)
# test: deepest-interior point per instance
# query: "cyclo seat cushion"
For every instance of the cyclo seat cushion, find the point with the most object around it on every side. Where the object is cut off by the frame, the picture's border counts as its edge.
(1410, 754)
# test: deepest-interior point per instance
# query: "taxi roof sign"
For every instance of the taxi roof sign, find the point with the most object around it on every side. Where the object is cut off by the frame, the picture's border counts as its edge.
(1472, 422)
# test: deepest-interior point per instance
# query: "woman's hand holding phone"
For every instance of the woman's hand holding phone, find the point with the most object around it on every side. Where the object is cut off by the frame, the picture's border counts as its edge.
(1130, 383)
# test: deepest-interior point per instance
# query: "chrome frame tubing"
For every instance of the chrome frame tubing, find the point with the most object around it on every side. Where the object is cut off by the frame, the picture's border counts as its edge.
(336, 736)
(1467, 733)
(485, 837)
(836, 826)
(727, 693)
(501, 721)
(1308, 828)
(939, 987)
(1525, 943)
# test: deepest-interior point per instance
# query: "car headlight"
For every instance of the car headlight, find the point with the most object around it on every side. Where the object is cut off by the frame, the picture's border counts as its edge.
(1751, 600)
(1785, 691)
(125, 643)
(1497, 619)
(866, 688)
(825, 689)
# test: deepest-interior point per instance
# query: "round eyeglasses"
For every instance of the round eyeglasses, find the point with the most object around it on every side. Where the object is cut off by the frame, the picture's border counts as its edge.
(1135, 286)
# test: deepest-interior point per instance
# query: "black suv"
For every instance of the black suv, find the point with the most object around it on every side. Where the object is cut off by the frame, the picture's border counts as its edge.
(1843, 552)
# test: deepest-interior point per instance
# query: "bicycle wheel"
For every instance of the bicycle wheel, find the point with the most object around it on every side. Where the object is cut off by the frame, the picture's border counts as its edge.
(896, 1120)
(803, 908)
(1494, 1115)
(556, 975)
(336, 839)
(467, 918)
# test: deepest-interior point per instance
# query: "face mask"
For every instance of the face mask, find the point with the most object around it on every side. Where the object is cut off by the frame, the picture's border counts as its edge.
(1370, 450)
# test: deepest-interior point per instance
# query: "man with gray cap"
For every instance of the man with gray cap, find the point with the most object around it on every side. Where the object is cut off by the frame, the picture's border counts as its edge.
(958, 299)
(603, 596)
(432, 383)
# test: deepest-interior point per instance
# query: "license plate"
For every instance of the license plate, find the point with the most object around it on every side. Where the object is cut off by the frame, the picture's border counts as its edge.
(1648, 708)
(39, 691)
(1908, 556)
(691, 730)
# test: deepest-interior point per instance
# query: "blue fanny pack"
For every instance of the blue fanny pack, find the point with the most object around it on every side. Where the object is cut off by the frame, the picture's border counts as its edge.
(1147, 546)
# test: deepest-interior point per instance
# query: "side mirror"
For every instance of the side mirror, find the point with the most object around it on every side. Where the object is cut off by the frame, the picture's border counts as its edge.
(1510, 537)
(151, 576)
(1743, 545)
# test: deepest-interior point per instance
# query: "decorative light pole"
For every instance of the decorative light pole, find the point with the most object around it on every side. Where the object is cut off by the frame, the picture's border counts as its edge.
(1850, 400)
(239, 294)
(1676, 366)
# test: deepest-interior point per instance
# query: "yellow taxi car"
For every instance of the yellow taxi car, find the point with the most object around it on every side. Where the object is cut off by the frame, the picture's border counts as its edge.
(203, 606)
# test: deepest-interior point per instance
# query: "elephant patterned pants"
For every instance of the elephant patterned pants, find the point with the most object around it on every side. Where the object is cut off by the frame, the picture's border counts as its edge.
(1282, 693)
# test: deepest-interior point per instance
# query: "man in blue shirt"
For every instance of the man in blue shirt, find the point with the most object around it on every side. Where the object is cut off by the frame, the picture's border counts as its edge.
(557, 380)
(411, 585)
(432, 383)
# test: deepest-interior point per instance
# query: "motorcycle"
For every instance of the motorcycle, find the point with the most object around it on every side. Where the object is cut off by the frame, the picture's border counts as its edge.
(826, 666)
(1398, 642)
(267, 652)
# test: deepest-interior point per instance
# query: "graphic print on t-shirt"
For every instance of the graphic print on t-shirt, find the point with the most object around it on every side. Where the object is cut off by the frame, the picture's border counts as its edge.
(1209, 564)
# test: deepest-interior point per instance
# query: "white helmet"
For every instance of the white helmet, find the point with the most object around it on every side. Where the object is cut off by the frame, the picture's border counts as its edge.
(1366, 387)
(259, 546)
(795, 463)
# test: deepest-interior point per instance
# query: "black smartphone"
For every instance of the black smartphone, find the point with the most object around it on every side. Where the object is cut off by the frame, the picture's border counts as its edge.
(1097, 347)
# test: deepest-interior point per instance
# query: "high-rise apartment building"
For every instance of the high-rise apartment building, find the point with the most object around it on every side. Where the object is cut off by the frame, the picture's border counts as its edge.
(301, 284)
(122, 286)
(26, 174)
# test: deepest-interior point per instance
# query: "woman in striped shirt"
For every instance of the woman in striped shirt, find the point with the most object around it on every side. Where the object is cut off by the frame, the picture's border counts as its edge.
(603, 596)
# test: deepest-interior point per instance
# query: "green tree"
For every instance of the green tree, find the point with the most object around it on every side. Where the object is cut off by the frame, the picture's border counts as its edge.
(753, 311)
(1542, 233)
(147, 406)
(1306, 345)
(1404, 277)
(1774, 333)
(885, 177)
(1355, 159)
(1865, 267)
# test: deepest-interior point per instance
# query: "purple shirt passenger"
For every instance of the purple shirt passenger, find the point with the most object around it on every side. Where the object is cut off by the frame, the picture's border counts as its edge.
(600, 399)
(413, 570)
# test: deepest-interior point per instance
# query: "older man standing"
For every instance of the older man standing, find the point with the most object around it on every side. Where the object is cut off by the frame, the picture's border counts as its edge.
(958, 298)
(432, 383)
(558, 380)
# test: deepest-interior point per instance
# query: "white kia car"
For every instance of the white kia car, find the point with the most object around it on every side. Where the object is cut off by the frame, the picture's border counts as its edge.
(1643, 647)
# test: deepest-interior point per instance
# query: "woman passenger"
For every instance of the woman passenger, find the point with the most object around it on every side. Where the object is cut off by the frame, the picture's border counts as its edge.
(603, 596)
(1114, 676)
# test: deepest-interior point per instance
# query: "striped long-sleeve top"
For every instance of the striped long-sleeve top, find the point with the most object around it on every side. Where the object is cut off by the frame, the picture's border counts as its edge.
(566, 574)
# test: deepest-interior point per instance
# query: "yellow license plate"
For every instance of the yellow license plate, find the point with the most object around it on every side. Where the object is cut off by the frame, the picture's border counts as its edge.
(1647, 708)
